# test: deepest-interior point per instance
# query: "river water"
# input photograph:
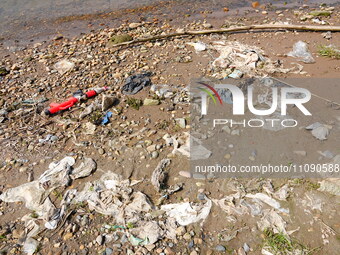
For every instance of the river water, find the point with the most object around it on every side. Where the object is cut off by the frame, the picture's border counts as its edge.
(19, 18)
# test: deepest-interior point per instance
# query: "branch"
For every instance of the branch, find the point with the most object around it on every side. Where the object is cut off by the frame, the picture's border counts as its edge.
(271, 27)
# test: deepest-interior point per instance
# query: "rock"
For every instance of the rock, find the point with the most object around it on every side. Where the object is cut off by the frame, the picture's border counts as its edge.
(241, 251)
(180, 231)
(327, 35)
(181, 122)
(67, 236)
(150, 247)
(135, 25)
(327, 154)
(89, 128)
(3, 71)
(201, 196)
(198, 241)
(148, 101)
(255, 4)
(187, 236)
(193, 253)
(320, 13)
(100, 240)
(154, 154)
(246, 247)
(16, 234)
(107, 102)
(168, 251)
(101, 151)
(220, 248)
(120, 38)
(264, 12)
(151, 148)
(23, 169)
(185, 174)
(108, 251)
(207, 25)
(235, 132)
(301, 153)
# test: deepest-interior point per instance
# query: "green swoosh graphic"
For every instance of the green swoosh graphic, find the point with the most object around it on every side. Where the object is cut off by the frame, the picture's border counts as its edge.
(209, 93)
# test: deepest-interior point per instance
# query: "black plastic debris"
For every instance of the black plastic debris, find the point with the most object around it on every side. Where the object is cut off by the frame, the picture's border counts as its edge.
(136, 83)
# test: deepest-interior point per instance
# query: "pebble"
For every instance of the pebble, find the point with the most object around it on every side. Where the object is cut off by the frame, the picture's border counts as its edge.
(185, 174)
(220, 248)
(134, 25)
(180, 231)
(227, 156)
(101, 151)
(301, 153)
(148, 101)
(181, 122)
(108, 251)
(107, 102)
(246, 247)
(67, 236)
(207, 25)
(187, 236)
(100, 240)
(154, 154)
(168, 251)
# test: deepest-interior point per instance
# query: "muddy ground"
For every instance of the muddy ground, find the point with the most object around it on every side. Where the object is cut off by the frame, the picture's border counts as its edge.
(312, 223)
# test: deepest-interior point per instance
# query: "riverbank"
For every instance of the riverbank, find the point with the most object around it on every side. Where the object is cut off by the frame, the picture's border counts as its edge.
(291, 216)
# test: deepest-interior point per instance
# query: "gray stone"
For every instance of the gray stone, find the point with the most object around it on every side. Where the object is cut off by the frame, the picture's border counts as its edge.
(107, 102)
(220, 248)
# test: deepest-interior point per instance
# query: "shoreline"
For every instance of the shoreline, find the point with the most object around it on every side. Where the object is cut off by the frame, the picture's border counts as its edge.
(29, 32)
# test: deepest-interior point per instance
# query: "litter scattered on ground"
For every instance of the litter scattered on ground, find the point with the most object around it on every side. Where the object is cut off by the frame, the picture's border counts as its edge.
(237, 59)
(64, 66)
(162, 90)
(136, 83)
(89, 109)
(158, 176)
(35, 195)
(319, 130)
(188, 213)
(106, 118)
(111, 195)
(301, 52)
(236, 74)
(271, 220)
(77, 96)
(33, 102)
(268, 200)
(199, 46)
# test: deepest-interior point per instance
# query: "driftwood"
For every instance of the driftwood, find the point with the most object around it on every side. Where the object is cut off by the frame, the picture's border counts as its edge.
(271, 27)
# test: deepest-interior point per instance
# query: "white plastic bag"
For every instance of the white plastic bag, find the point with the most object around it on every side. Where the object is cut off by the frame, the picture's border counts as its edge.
(301, 52)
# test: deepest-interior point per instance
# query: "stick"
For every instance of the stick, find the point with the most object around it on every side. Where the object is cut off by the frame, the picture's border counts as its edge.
(236, 29)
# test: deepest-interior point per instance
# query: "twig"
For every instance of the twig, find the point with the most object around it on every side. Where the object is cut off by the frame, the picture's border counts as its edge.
(272, 27)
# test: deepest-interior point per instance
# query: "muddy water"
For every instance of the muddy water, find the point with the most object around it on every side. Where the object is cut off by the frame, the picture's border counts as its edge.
(26, 20)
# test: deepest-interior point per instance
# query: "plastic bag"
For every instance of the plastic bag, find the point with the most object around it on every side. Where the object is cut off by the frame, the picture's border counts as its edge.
(301, 52)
